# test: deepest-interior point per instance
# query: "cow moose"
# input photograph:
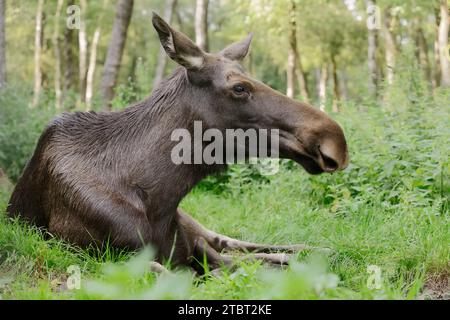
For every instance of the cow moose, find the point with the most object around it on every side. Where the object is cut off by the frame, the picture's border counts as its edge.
(108, 176)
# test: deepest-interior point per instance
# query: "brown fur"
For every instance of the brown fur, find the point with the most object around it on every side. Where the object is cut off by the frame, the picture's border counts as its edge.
(96, 177)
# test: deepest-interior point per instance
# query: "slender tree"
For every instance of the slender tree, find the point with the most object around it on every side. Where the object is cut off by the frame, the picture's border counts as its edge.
(389, 44)
(201, 24)
(162, 57)
(4, 181)
(336, 89)
(93, 60)
(83, 52)
(91, 68)
(57, 53)
(421, 49)
(372, 44)
(290, 72)
(343, 83)
(436, 52)
(2, 45)
(294, 63)
(38, 52)
(124, 11)
(68, 58)
(443, 43)
(323, 86)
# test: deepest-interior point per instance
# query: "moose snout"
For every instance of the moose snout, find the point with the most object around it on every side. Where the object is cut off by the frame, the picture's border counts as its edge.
(332, 153)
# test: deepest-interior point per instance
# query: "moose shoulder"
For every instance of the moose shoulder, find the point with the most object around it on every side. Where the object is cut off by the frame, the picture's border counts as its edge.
(97, 177)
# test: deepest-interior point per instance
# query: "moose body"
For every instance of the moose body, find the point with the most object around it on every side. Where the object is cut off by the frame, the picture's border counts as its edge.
(108, 177)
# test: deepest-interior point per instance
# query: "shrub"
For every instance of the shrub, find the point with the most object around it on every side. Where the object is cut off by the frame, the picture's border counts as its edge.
(20, 128)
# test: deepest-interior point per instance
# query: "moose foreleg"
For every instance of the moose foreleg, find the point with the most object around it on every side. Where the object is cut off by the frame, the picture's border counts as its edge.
(158, 268)
(216, 260)
(221, 242)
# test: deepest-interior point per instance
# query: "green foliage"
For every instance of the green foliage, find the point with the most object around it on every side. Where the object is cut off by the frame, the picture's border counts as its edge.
(389, 208)
(20, 128)
(235, 179)
(125, 95)
(133, 280)
(301, 281)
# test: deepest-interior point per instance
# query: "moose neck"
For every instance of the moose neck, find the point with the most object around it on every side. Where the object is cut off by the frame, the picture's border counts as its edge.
(169, 107)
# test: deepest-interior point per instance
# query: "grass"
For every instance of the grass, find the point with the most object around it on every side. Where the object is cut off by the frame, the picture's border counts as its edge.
(388, 212)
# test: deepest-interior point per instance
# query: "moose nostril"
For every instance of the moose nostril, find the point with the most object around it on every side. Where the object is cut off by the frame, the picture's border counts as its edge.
(329, 163)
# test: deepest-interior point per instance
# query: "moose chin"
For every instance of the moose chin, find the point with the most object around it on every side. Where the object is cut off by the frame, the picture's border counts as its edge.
(98, 177)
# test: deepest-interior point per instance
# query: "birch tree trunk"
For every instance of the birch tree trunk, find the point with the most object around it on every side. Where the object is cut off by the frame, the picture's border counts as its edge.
(422, 51)
(124, 9)
(83, 49)
(336, 92)
(294, 63)
(37, 53)
(390, 47)
(93, 60)
(91, 68)
(162, 57)
(443, 44)
(2, 44)
(436, 54)
(301, 79)
(372, 44)
(323, 86)
(4, 181)
(68, 58)
(201, 24)
(57, 52)
(343, 84)
(290, 74)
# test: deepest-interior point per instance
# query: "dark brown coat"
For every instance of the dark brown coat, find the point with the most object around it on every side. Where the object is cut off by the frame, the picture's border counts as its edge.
(96, 177)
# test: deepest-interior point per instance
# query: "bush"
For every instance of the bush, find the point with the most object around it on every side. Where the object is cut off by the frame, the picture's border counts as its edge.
(20, 128)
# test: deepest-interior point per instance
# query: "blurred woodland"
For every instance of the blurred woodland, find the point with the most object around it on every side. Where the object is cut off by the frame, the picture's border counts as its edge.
(380, 68)
(104, 54)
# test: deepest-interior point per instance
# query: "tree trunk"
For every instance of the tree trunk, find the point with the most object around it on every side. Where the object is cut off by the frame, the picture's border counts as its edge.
(57, 52)
(323, 86)
(124, 9)
(390, 47)
(132, 73)
(294, 64)
(93, 60)
(301, 79)
(68, 58)
(179, 20)
(162, 57)
(290, 74)
(4, 181)
(372, 44)
(343, 84)
(91, 68)
(2, 44)
(436, 56)
(336, 92)
(422, 50)
(443, 44)
(201, 24)
(250, 62)
(83, 51)
(37, 53)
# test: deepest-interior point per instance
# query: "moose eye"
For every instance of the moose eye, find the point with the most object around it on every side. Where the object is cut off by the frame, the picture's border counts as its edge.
(238, 89)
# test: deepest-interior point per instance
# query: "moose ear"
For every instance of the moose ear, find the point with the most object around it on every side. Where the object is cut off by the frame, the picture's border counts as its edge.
(179, 47)
(237, 50)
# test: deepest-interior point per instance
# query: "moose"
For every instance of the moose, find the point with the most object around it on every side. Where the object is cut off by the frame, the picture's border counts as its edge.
(98, 177)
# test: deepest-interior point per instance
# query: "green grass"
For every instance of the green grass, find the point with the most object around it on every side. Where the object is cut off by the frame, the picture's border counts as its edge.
(389, 209)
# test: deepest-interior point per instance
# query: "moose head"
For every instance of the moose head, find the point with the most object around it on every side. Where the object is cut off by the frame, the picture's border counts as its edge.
(226, 96)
